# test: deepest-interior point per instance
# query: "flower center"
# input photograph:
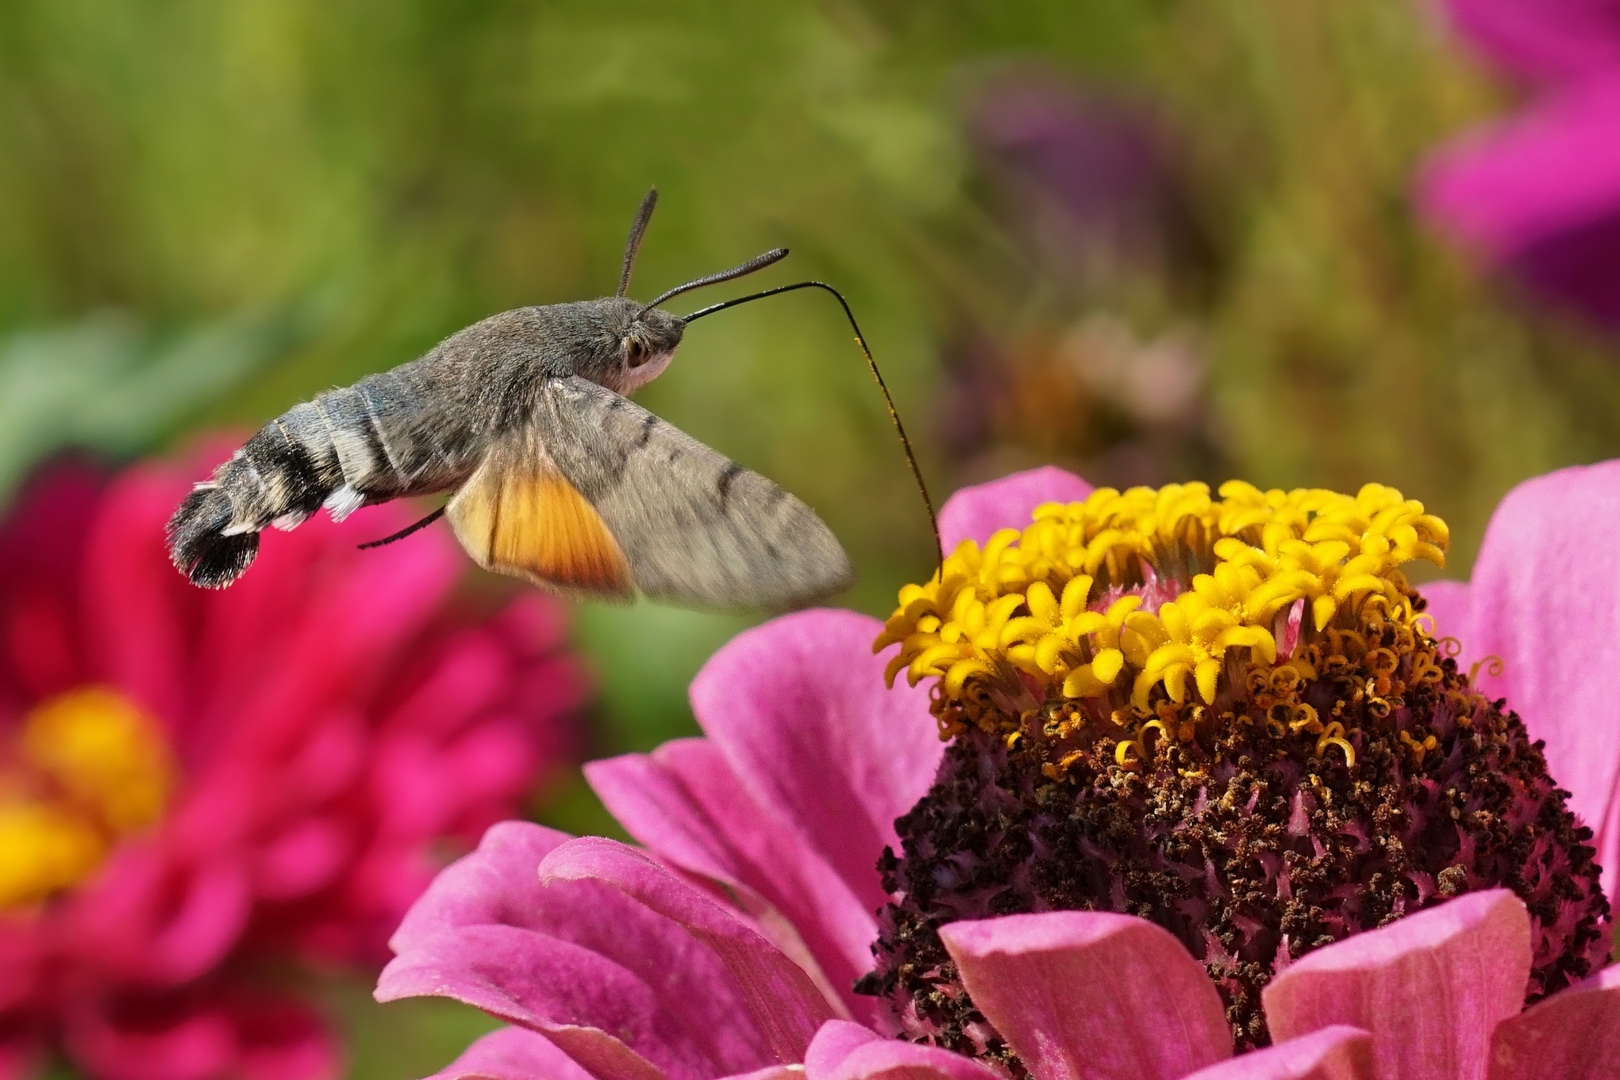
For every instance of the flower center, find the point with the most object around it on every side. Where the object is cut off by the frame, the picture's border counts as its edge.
(86, 768)
(1148, 610)
(1227, 715)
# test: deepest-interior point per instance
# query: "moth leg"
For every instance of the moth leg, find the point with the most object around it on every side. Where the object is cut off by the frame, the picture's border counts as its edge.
(406, 531)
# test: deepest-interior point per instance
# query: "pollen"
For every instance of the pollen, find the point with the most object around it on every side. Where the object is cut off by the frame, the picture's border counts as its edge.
(87, 768)
(1146, 613)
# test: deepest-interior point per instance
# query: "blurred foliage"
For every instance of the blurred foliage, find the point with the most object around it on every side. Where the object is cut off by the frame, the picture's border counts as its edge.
(419, 165)
(105, 383)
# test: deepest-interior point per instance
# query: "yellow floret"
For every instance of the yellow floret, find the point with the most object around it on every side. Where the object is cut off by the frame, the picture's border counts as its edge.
(88, 767)
(1127, 598)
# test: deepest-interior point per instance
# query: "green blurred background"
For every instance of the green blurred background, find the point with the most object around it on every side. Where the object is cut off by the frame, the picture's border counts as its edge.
(1149, 240)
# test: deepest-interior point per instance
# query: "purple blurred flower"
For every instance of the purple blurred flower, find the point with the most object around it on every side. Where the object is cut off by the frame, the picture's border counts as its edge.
(1088, 181)
(727, 945)
(1540, 192)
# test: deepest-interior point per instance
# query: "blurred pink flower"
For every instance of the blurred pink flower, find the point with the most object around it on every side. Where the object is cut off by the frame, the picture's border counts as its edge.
(1540, 192)
(727, 945)
(202, 794)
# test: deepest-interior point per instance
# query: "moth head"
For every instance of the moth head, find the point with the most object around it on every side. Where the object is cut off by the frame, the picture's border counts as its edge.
(647, 340)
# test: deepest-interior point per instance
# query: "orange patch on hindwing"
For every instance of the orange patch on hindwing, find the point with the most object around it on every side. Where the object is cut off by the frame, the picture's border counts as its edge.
(538, 526)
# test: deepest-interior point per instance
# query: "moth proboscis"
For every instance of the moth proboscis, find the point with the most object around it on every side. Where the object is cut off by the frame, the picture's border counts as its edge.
(555, 475)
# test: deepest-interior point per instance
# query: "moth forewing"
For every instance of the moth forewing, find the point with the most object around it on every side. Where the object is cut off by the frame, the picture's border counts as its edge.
(696, 527)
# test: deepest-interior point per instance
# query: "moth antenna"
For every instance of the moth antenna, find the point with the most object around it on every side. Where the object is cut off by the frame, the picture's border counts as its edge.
(406, 531)
(637, 229)
(758, 262)
(871, 362)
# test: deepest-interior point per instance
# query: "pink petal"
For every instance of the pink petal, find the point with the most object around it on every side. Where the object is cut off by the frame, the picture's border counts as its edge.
(284, 1040)
(276, 646)
(1544, 39)
(1554, 168)
(20, 1058)
(799, 710)
(771, 1072)
(845, 1051)
(198, 1047)
(1334, 1053)
(512, 1053)
(303, 859)
(1573, 1035)
(785, 1004)
(1087, 996)
(625, 991)
(978, 512)
(134, 621)
(1429, 987)
(1546, 594)
(495, 885)
(683, 802)
(156, 921)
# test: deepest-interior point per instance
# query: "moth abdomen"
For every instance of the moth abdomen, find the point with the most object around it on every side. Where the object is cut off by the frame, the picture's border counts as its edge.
(201, 542)
(360, 444)
(274, 479)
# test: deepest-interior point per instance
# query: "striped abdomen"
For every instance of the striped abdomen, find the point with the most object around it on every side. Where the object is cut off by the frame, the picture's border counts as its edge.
(367, 443)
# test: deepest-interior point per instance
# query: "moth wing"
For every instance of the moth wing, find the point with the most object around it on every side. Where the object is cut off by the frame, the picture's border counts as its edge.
(518, 515)
(695, 527)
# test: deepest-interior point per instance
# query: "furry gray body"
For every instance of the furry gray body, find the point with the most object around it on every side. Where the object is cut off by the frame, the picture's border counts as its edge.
(418, 429)
(533, 385)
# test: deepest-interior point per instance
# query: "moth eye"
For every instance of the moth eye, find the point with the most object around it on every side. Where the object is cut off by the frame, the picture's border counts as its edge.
(636, 354)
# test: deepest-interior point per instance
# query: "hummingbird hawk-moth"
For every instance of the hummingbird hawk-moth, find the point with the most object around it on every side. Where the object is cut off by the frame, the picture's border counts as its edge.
(556, 476)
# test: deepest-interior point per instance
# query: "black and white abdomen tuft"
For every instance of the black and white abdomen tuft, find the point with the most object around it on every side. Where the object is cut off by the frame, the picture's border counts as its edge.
(333, 452)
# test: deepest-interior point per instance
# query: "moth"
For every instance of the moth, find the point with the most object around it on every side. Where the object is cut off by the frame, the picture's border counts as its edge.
(555, 476)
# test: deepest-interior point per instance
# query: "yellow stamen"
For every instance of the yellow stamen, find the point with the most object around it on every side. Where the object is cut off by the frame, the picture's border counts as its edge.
(1129, 600)
(90, 767)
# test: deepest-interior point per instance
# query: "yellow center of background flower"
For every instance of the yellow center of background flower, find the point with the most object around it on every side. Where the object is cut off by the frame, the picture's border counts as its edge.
(1140, 606)
(87, 768)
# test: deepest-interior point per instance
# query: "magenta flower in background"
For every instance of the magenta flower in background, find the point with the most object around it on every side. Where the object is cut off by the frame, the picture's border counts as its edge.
(729, 943)
(202, 793)
(1540, 192)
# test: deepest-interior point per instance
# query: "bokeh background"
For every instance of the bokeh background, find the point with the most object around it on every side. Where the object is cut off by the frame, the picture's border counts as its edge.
(1148, 240)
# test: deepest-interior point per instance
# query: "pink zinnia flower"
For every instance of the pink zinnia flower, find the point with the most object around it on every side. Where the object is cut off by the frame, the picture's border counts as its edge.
(1540, 193)
(201, 790)
(730, 943)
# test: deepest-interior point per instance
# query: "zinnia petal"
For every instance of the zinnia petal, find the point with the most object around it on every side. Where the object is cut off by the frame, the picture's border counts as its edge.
(161, 923)
(202, 1035)
(512, 1053)
(1546, 599)
(1429, 988)
(975, 513)
(624, 990)
(1334, 1053)
(1094, 996)
(1542, 193)
(845, 1051)
(799, 710)
(1573, 1035)
(1544, 39)
(786, 1006)
(683, 803)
